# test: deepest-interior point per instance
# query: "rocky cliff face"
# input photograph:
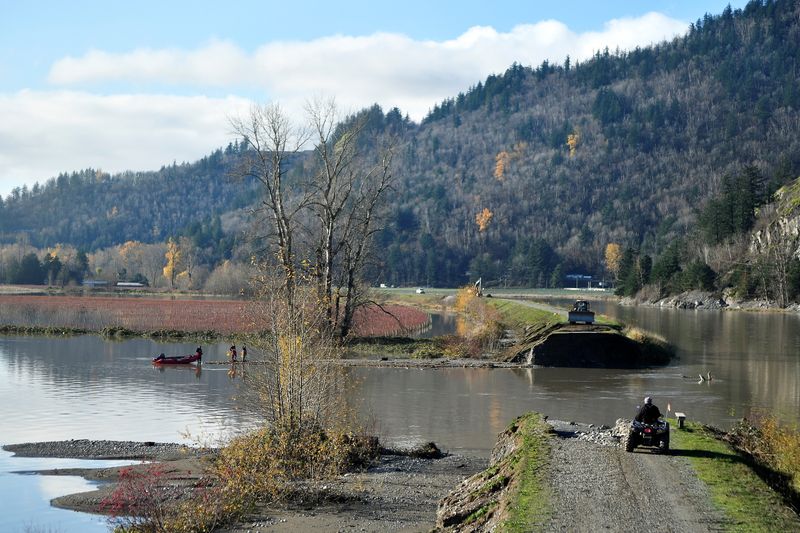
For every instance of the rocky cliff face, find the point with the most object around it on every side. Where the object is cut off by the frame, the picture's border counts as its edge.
(779, 224)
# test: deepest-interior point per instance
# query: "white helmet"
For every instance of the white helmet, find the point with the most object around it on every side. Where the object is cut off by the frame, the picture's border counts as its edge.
(648, 400)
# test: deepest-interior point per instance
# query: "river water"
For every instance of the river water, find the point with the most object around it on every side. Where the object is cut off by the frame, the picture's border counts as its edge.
(87, 387)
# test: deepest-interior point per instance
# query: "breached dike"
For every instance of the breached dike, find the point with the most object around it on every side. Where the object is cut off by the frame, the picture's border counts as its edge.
(589, 346)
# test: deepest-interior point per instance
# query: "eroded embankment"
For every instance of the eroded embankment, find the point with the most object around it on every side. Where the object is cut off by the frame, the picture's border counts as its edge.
(587, 346)
(513, 490)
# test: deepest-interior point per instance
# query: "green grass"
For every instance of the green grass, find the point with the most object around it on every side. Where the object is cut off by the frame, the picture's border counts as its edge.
(518, 315)
(530, 504)
(746, 500)
(395, 346)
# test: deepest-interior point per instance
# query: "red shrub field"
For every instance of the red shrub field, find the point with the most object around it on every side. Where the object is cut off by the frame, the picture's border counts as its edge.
(373, 320)
(139, 314)
(152, 314)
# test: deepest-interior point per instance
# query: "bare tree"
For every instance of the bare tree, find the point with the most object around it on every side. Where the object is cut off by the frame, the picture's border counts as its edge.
(270, 141)
(362, 224)
(347, 189)
(321, 221)
(775, 244)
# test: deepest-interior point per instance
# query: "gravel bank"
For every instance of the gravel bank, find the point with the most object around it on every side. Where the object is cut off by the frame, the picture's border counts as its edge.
(396, 362)
(101, 449)
(398, 494)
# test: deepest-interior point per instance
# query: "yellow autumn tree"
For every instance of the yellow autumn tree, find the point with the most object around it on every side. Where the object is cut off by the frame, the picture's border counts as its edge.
(501, 162)
(173, 257)
(572, 141)
(483, 218)
(613, 258)
(131, 253)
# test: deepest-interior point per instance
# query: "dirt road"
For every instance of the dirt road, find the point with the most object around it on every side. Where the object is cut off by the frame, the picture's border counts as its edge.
(598, 486)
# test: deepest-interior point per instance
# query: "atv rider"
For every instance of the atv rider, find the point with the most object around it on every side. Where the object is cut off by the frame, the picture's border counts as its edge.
(648, 413)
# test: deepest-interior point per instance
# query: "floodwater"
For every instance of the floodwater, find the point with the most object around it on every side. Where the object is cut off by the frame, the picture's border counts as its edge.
(441, 324)
(87, 387)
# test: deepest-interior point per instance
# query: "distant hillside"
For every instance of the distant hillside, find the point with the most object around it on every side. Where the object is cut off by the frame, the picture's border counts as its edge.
(654, 131)
(92, 209)
(558, 161)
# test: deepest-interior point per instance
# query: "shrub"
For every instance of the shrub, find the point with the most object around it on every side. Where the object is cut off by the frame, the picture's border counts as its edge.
(427, 351)
(141, 500)
(478, 326)
(260, 467)
(773, 446)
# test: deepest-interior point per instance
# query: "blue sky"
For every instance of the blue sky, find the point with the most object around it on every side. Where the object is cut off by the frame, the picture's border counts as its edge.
(135, 85)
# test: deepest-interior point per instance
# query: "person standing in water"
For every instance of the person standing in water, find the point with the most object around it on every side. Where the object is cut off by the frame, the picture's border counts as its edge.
(244, 353)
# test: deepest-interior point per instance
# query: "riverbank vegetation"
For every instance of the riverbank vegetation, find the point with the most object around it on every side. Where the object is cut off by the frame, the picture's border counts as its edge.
(734, 485)
(653, 346)
(744, 248)
(307, 294)
(478, 328)
(775, 449)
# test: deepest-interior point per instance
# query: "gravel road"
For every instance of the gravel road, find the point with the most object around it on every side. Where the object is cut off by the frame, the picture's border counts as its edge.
(598, 486)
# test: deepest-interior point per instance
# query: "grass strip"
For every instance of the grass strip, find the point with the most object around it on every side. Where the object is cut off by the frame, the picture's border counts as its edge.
(518, 315)
(116, 333)
(530, 498)
(735, 488)
(394, 346)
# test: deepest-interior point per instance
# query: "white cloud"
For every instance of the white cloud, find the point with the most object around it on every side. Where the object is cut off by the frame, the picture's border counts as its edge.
(391, 69)
(46, 132)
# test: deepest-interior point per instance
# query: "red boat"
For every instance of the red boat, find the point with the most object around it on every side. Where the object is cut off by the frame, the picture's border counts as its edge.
(176, 359)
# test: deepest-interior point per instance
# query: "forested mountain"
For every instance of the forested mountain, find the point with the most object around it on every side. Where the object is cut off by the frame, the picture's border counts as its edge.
(625, 148)
(528, 175)
(91, 209)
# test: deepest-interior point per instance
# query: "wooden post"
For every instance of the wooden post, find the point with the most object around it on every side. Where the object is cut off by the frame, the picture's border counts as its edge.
(681, 418)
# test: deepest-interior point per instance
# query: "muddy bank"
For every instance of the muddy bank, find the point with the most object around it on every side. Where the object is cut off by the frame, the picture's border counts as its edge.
(398, 362)
(399, 492)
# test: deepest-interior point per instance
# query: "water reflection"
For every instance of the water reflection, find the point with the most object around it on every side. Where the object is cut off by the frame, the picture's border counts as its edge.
(82, 387)
(753, 357)
(443, 323)
(25, 498)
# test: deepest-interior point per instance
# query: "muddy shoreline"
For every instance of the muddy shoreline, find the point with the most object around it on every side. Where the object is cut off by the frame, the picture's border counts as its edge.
(397, 493)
